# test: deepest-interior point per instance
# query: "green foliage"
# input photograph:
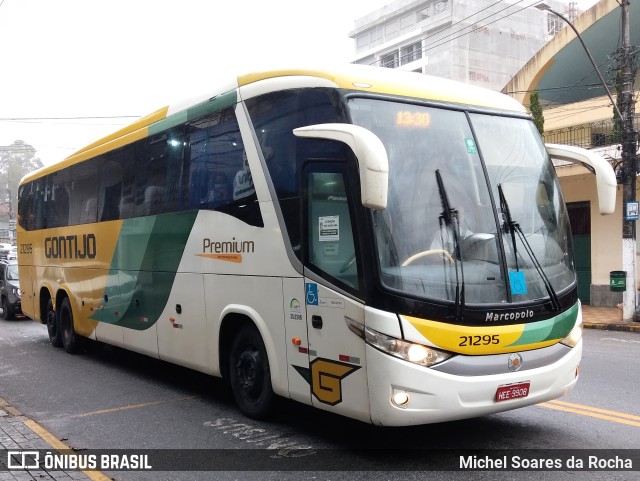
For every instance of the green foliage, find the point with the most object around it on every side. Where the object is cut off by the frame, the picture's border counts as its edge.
(16, 160)
(536, 111)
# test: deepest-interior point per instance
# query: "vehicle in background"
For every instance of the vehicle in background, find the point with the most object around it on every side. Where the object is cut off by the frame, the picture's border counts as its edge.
(10, 293)
(5, 249)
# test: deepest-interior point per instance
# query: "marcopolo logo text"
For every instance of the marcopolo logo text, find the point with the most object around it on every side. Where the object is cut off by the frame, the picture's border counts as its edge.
(508, 316)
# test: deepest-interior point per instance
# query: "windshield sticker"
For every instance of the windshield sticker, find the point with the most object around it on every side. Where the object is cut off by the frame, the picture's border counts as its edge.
(518, 283)
(329, 228)
(330, 249)
(471, 145)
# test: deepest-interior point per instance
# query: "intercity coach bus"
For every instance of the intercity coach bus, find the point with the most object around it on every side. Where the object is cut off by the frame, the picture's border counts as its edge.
(384, 245)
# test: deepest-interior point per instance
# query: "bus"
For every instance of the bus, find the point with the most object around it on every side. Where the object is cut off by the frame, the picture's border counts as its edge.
(383, 245)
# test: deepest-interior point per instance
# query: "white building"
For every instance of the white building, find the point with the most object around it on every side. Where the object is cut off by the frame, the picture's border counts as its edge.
(481, 42)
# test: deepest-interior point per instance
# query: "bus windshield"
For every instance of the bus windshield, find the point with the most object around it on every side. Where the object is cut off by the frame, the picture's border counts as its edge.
(474, 206)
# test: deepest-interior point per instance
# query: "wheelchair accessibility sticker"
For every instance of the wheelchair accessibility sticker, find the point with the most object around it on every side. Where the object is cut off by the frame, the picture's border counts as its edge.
(311, 294)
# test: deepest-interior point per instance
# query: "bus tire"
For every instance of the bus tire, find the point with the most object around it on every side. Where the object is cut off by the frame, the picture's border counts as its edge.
(53, 326)
(249, 374)
(70, 340)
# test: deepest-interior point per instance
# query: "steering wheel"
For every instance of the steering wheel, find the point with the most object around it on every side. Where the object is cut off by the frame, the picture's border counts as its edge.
(347, 264)
(429, 252)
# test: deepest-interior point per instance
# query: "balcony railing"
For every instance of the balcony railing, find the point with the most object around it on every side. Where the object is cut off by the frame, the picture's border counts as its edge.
(589, 136)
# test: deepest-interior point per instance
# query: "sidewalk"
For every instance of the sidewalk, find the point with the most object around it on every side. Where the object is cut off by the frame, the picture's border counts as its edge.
(607, 318)
(16, 434)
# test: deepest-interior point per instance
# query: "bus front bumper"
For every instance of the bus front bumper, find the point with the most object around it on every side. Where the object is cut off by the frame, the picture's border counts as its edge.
(433, 396)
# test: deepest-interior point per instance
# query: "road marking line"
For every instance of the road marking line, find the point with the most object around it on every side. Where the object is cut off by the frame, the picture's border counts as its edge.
(620, 340)
(133, 406)
(614, 416)
(597, 410)
(59, 446)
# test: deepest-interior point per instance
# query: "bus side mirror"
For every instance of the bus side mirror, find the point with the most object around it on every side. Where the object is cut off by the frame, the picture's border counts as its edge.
(370, 152)
(605, 176)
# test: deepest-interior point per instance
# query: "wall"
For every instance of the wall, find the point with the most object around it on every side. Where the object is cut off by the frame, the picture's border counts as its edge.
(606, 246)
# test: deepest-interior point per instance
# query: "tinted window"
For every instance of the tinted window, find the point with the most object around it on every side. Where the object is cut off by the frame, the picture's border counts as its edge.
(200, 165)
(58, 190)
(116, 185)
(219, 174)
(84, 192)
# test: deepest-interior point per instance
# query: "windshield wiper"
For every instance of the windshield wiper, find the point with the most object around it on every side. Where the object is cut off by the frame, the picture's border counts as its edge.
(514, 228)
(450, 218)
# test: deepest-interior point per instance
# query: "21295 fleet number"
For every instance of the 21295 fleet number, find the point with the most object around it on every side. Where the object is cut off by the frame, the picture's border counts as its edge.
(486, 340)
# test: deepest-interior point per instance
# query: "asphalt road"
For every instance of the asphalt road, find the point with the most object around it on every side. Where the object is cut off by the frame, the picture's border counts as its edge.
(108, 398)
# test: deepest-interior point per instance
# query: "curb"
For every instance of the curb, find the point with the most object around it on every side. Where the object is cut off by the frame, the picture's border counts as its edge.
(635, 327)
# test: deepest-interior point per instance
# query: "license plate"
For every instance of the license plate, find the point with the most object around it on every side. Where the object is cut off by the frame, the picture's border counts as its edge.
(512, 391)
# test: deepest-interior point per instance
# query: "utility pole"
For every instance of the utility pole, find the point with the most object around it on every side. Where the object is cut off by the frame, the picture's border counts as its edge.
(626, 108)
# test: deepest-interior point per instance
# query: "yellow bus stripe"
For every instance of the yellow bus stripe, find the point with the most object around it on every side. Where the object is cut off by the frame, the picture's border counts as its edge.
(58, 445)
(591, 412)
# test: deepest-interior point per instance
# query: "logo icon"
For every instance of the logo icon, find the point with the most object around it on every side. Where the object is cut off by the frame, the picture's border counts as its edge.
(311, 294)
(23, 459)
(515, 362)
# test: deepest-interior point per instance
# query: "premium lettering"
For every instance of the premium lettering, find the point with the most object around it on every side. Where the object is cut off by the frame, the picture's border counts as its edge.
(227, 247)
(70, 247)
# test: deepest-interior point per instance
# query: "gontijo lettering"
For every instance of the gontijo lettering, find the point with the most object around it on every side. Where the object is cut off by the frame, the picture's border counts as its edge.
(70, 247)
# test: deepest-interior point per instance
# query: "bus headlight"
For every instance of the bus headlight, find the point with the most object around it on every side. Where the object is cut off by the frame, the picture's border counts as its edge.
(574, 336)
(408, 351)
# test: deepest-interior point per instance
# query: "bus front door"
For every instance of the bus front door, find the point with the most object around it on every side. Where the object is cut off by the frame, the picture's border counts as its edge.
(337, 369)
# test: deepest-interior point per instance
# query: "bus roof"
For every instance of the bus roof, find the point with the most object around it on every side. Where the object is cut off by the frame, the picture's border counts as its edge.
(352, 77)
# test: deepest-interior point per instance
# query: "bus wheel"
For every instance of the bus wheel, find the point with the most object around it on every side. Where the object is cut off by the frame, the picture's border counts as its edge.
(53, 327)
(249, 374)
(70, 340)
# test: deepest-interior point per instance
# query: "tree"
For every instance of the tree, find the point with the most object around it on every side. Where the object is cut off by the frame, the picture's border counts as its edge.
(536, 111)
(16, 160)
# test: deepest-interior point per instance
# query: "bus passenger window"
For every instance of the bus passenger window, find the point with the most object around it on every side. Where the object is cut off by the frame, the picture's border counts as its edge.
(215, 159)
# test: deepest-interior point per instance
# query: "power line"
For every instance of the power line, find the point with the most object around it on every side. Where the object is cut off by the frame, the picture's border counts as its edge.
(17, 119)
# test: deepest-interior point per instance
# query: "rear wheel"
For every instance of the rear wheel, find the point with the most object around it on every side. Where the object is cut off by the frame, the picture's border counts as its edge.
(249, 374)
(70, 340)
(53, 326)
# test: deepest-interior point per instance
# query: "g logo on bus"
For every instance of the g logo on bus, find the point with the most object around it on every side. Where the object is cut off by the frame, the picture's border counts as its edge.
(515, 362)
(325, 377)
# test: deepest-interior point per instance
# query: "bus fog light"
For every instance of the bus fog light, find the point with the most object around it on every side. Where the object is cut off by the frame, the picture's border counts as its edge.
(400, 398)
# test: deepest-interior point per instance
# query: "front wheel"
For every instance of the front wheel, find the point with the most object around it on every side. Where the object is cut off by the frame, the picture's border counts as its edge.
(53, 327)
(249, 374)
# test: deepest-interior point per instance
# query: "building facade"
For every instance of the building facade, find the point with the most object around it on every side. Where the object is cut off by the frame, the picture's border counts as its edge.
(480, 42)
(577, 113)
